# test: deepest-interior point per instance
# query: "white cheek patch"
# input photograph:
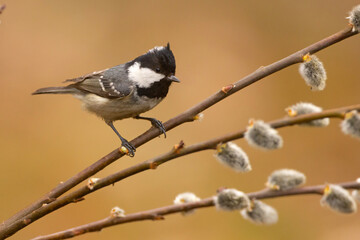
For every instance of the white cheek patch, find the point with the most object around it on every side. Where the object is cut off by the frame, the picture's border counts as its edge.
(143, 77)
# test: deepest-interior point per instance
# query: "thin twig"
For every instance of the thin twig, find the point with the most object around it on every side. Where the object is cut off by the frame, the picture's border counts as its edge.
(18, 221)
(79, 194)
(159, 213)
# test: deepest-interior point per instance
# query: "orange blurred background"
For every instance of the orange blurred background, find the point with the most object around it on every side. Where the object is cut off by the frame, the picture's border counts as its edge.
(47, 139)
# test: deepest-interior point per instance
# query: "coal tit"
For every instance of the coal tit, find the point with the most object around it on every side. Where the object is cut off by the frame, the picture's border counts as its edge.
(126, 90)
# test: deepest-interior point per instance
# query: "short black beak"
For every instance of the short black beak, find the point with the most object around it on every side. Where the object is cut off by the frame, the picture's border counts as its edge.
(173, 78)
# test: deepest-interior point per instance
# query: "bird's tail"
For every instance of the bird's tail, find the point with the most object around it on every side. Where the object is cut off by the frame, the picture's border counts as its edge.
(55, 90)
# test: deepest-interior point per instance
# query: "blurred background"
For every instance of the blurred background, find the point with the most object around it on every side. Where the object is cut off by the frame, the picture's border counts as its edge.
(48, 139)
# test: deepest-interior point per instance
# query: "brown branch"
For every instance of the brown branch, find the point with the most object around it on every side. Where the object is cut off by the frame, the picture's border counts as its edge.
(18, 221)
(158, 213)
(174, 153)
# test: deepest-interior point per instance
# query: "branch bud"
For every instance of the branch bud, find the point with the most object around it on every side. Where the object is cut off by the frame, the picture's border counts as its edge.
(227, 88)
(91, 183)
(186, 197)
(199, 117)
(117, 212)
(179, 146)
(124, 150)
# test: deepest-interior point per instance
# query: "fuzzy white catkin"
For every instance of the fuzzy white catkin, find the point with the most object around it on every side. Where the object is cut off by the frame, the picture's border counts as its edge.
(338, 199)
(231, 199)
(260, 213)
(313, 72)
(306, 108)
(91, 183)
(262, 135)
(285, 179)
(354, 18)
(117, 212)
(351, 124)
(186, 197)
(233, 156)
(356, 193)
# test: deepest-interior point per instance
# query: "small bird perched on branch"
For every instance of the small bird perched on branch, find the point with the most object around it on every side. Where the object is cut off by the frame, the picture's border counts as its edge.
(126, 90)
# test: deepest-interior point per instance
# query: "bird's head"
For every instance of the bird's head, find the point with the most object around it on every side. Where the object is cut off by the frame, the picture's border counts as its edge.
(155, 65)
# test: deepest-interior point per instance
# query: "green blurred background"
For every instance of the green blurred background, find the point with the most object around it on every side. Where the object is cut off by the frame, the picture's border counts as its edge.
(47, 139)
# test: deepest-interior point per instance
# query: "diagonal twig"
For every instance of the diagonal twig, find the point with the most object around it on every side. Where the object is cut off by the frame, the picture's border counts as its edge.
(80, 193)
(159, 213)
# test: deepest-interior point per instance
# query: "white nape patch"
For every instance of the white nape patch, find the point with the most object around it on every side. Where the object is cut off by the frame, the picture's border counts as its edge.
(157, 48)
(143, 77)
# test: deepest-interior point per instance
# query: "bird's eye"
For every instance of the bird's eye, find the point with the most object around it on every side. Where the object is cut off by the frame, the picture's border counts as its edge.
(157, 70)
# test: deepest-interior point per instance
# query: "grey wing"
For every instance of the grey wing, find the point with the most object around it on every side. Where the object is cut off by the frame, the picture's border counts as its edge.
(108, 83)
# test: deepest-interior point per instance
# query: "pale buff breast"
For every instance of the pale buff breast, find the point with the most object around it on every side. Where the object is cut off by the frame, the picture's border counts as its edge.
(118, 108)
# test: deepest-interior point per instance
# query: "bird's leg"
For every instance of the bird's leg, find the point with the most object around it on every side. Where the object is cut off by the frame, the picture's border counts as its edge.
(124, 142)
(156, 123)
